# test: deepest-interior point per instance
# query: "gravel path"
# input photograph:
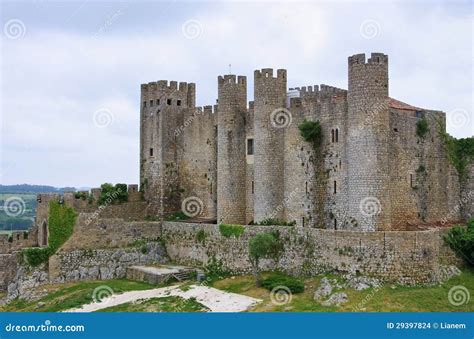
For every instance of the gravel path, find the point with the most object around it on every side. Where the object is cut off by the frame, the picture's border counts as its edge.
(214, 299)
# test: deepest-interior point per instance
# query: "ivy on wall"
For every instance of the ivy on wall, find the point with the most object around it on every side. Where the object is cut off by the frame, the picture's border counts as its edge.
(61, 220)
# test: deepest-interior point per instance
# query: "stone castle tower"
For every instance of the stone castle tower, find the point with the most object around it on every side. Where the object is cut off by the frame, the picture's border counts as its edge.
(241, 162)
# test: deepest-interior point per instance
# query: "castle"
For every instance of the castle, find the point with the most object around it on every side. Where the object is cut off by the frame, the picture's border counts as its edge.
(244, 162)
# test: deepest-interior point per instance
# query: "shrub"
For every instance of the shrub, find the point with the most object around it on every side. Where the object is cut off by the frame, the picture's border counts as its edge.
(311, 131)
(177, 216)
(275, 222)
(215, 270)
(80, 195)
(279, 279)
(228, 230)
(422, 127)
(201, 236)
(36, 256)
(461, 241)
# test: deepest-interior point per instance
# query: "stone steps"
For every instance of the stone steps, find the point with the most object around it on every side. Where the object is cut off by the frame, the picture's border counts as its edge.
(159, 274)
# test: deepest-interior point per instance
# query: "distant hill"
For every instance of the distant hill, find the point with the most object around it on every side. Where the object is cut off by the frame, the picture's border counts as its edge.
(25, 188)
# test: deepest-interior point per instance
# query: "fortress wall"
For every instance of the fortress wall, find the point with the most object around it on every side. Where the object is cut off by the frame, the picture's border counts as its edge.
(91, 232)
(249, 169)
(18, 240)
(198, 165)
(405, 257)
(424, 185)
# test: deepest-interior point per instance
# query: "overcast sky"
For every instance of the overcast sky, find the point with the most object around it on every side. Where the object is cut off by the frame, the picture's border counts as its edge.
(71, 71)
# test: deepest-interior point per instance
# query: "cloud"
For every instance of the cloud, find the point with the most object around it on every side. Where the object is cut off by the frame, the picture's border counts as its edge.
(63, 71)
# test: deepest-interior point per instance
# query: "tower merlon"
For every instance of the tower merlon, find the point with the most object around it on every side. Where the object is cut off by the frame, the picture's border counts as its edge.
(375, 58)
(231, 79)
(268, 73)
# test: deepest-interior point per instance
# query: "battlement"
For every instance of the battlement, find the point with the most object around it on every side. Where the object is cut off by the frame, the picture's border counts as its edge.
(231, 79)
(268, 73)
(172, 86)
(375, 58)
(207, 110)
(319, 89)
(17, 240)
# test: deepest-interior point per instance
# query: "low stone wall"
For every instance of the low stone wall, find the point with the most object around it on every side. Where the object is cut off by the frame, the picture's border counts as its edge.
(8, 268)
(103, 264)
(93, 233)
(410, 258)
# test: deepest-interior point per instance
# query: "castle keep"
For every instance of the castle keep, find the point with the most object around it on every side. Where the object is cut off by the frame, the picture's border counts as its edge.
(240, 161)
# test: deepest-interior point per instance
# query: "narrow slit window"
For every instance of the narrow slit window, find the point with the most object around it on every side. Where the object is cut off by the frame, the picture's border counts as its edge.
(303, 221)
(253, 187)
(151, 152)
(335, 224)
(332, 135)
(144, 103)
(250, 147)
(335, 187)
(337, 134)
(306, 186)
(151, 103)
(157, 102)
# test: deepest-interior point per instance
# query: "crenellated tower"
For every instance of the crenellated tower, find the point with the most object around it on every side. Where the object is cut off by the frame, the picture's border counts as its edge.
(163, 107)
(367, 141)
(231, 171)
(269, 107)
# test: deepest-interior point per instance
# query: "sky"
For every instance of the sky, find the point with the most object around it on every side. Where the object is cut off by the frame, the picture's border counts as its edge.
(71, 71)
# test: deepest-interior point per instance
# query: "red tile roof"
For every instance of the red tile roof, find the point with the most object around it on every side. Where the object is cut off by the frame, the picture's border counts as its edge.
(403, 106)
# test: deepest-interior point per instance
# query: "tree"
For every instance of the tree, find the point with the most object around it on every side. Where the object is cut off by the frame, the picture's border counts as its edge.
(263, 245)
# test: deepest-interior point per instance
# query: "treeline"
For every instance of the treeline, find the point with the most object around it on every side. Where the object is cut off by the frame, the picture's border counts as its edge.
(25, 188)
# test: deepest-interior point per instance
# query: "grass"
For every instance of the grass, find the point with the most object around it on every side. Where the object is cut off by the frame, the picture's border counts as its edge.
(164, 304)
(389, 298)
(66, 296)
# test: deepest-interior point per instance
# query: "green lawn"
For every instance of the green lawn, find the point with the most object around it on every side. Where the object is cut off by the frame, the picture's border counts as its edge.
(388, 298)
(165, 304)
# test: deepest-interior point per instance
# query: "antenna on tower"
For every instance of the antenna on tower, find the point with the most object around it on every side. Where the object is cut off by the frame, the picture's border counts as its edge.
(230, 69)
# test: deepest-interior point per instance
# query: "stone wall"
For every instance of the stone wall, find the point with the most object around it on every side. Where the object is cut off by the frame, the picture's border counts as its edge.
(103, 264)
(93, 233)
(400, 256)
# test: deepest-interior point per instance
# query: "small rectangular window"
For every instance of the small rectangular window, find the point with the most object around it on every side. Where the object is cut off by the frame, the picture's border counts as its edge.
(168, 101)
(151, 152)
(178, 102)
(157, 102)
(144, 103)
(250, 147)
(151, 103)
(337, 134)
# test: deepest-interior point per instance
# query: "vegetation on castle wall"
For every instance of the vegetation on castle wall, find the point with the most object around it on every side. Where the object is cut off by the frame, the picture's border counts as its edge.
(461, 241)
(228, 230)
(312, 132)
(177, 216)
(201, 236)
(460, 151)
(61, 220)
(422, 127)
(113, 194)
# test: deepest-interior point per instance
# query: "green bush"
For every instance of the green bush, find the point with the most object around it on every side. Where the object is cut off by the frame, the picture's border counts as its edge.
(228, 230)
(80, 195)
(177, 216)
(215, 270)
(61, 220)
(311, 131)
(279, 279)
(422, 127)
(113, 194)
(201, 236)
(263, 245)
(461, 241)
(275, 222)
